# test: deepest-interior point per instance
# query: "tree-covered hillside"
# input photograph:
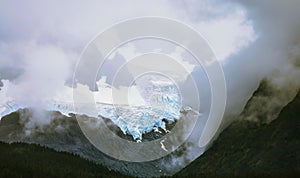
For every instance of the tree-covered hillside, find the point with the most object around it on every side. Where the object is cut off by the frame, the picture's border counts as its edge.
(28, 160)
(245, 149)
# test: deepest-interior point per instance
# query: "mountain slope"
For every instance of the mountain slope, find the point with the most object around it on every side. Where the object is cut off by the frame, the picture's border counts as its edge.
(27, 160)
(63, 133)
(246, 149)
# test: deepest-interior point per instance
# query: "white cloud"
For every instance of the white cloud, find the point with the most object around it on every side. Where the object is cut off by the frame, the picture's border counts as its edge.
(44, 39)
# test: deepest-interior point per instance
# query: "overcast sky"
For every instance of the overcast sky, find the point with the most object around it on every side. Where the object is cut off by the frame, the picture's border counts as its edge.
(41, 41)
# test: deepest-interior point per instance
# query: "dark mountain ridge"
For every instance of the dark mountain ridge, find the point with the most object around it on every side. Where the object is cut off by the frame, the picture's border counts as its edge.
(248, 149)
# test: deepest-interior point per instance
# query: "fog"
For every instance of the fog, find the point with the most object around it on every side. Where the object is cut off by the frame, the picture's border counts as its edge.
(41, 42)
(273, 57)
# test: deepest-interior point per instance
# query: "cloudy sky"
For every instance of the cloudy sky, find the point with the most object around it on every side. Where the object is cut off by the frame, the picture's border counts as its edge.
(40, 42)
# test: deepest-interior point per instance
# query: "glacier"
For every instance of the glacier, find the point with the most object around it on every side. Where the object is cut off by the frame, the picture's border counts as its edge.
(161, 105)
(134, 120)
(8, 108)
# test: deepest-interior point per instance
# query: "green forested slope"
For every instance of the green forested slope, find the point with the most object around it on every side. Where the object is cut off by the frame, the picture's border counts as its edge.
(27, 160)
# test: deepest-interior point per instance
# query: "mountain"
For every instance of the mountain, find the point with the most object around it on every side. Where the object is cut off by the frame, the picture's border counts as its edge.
(63, 133)
(244, 149)
(248, 149)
